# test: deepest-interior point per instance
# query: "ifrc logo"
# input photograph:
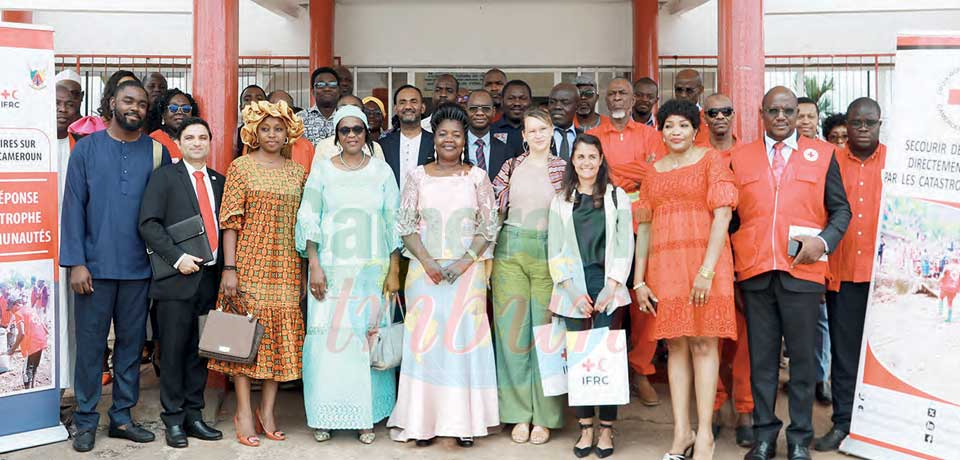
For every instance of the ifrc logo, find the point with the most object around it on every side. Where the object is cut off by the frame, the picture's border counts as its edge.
(811, 155)
(9, 99)
(7, 94)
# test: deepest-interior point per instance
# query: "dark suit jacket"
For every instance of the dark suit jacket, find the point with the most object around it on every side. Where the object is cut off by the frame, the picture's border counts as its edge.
(391, 150)
(514, 138)
(170, 198)
(838, 218)
(499, 154)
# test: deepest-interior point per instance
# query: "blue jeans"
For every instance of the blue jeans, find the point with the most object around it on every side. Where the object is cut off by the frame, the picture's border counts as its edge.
(823, 345)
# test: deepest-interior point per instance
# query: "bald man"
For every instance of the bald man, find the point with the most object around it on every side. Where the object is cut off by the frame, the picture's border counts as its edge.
(156, 85)
(562, 105)
(861, 163)
(688, 86)
(718, 114)
(793, 210)
(346, 79)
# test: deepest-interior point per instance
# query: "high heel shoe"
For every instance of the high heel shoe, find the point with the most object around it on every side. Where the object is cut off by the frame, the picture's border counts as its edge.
(687, 453)
(276, 435)
(604, 453)
(249, 441)
(582, 452)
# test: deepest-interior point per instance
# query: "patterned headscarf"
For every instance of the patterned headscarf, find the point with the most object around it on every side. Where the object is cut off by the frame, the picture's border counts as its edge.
(254, 113)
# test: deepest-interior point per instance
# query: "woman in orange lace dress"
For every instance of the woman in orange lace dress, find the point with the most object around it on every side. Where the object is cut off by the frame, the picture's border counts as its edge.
(684, 268)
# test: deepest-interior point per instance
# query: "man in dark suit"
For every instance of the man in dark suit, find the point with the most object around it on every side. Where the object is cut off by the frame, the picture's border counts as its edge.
(562, 103)
(517, 97)
(790, 193)
(485, 151)
(410, 146)
(175, 193)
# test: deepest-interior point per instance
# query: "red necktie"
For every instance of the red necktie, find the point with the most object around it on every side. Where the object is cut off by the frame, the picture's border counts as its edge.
(206, 211)
(481, 158)
(778, 161)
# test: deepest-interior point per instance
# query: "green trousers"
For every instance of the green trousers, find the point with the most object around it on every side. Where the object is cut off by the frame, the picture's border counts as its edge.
(521, 296)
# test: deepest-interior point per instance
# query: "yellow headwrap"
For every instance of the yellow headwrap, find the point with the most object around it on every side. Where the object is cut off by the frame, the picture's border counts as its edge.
(377, 101)
(254, 113)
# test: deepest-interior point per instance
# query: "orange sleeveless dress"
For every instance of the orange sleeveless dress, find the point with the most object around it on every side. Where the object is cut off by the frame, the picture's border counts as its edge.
(679, 206)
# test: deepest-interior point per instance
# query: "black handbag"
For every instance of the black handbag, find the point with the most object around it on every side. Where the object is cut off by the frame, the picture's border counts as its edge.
(190, 236)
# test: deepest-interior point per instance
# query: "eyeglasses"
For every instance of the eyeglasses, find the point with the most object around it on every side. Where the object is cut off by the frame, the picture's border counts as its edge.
(682, 90)
(858, 124)
(372, 112)
(325, 84)
(726, 111)
(356, 130)
(185, 108)
(480, 108)
(588, 93)
(774, 112)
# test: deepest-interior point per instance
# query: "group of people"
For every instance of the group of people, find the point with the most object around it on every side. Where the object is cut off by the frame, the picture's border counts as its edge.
(475, 224)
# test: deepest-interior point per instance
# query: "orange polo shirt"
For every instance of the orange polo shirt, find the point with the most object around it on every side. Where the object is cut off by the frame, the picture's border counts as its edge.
(637, 143)
(852, 261)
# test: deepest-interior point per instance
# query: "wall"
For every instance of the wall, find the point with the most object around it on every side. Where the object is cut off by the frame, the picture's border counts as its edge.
(521, 32)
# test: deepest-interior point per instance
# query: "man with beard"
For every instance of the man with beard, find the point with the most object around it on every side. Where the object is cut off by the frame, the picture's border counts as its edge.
(861, 163)
(318, 119)
(109, 270)
(587, 116)
(647, 93)
(562, 104)
(628, 143)
(688, 86)
(516, 98)
(493, 82)
(445, 88)
(410, 146)
(485, 151)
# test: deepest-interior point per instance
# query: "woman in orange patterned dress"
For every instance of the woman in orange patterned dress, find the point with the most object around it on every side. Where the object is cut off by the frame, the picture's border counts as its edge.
(684, 268)
(262, 271)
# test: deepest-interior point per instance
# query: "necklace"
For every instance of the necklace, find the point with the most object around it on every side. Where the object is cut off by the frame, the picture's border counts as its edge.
(363, 161)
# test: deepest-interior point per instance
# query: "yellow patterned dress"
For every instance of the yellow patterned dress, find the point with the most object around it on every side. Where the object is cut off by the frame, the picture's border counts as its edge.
(261, 205)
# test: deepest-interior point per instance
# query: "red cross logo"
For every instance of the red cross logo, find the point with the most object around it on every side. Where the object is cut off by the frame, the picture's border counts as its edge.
(5, 94)
(563, 354)
(588, 365)
(954, 97)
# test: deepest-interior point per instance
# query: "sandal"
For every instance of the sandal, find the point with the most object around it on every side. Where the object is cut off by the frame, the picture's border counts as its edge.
(687, 453)
(275, 435)
(249, 441)
(321, 435)
(581, 452)
(540, 435)
(604, 453)
(367, 437)
(521, 433)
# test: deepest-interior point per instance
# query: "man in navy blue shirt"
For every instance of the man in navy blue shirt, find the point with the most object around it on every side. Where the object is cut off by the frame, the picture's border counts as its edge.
(109, 269)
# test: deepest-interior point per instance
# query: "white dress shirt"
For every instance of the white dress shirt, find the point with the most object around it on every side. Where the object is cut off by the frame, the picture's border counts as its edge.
(472, 148)
(213, 205)
(789, 145)
(409, 154)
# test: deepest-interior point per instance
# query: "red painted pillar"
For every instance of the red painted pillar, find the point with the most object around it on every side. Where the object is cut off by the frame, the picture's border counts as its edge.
(321, 33)
(23, 17)
(216, 26)
(645, 52)
(740, 62)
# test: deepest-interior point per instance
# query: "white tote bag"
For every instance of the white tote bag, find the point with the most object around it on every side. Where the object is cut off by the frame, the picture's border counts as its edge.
(550, 340)
(597, 368)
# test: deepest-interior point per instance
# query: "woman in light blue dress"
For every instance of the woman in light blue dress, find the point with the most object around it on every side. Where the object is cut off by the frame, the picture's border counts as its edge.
(346, 227)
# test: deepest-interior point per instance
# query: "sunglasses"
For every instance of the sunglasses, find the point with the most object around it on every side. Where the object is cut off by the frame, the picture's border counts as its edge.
(480, 108)
(356, 130)
(185, 108)
(857, 124)
(588, 93)
(726, 111)
(786, 111)
(325, 84)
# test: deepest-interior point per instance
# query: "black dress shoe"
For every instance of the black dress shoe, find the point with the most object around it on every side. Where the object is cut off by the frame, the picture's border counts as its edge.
(830, 441)
(465, 442)
(424, 442)
(762, 450)
(133, 432)
(84, 440)
(824, 395)
(176, 437)
(200, 430)
(798, 452)
(745, 436)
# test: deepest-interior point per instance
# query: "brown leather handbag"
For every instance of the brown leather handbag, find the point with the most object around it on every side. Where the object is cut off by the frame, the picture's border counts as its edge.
(231, 337)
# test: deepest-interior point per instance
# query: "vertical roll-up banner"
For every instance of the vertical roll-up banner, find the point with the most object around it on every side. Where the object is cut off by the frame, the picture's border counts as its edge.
(907, 401)
(29, 319)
